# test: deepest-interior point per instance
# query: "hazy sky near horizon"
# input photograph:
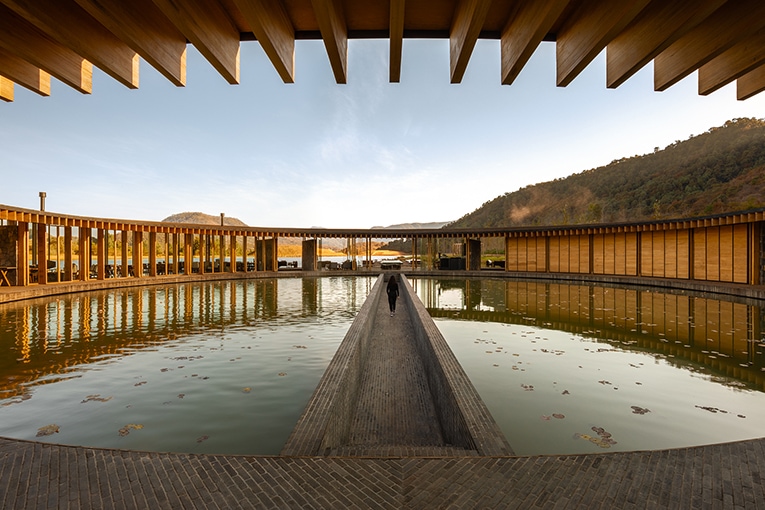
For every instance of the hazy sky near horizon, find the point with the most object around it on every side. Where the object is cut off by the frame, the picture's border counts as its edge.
(314, 153)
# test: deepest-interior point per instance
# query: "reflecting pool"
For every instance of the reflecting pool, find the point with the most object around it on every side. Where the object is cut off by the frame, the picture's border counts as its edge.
(583, 368)
(228, 366)
(216, 367)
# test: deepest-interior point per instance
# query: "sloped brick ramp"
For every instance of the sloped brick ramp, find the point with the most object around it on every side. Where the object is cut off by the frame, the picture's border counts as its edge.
(38, 475)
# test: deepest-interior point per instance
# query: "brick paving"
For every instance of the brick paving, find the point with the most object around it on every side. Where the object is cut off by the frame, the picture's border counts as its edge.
(39, 475)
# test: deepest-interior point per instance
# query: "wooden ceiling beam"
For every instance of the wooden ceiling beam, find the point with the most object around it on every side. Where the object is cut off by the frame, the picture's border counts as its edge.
(27, 42)
(207, 25)
(273, 29)
(587, 31)
(467, 23)
(396, 38)
(659, 25)
(25, 74)
(334, 32)
(6, 89)
(147, 31)
(731, 23)
(732, 64)
(524, 30)
(751, 83)
(70, 25)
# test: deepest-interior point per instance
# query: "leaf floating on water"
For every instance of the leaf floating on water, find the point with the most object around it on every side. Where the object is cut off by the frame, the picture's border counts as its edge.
(140, 383)
(181, 395)
(603, 439)
(202, 438)
(565, 392)
(558, 416)
(639, 410)
(741, 416)
(527, 387)
(545, 417)
(282, 374)
(164, 369)
(47, 430)
(300, 347)
(124, 431)
(495, 365)
(95, 398)
(246, 390)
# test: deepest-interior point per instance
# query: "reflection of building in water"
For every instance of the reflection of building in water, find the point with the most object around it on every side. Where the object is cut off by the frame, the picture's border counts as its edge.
(40, 339)
(724, 335)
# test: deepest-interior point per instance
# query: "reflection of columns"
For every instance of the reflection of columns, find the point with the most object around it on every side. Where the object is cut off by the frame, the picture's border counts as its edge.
(310, 295)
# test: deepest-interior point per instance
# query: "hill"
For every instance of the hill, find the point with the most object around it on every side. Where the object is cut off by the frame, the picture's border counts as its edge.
(721, 170)
(198, 218)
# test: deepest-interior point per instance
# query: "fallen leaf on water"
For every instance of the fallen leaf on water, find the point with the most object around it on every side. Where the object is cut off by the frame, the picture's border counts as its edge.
(282, 374)
(246, 390)
(47, 430)
(181, 395)
(124, 431)
(95, 398)
(558, 416)
(202, 438)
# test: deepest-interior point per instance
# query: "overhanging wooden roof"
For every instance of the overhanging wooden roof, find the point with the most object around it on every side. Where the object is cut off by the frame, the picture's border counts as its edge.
(722, 40)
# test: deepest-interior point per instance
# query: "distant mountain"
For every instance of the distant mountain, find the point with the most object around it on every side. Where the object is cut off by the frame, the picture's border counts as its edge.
(198, 218)
(719, 171)
(432, 224)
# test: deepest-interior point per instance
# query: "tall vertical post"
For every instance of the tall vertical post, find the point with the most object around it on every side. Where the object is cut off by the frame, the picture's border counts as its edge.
(42, 253)
(152, 254)
(138, 254)
(124, 257)
(68, 273)
(84, 241)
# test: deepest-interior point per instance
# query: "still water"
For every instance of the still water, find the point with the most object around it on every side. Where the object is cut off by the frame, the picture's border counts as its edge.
(224, 367)
(227, 367)
(577, 368)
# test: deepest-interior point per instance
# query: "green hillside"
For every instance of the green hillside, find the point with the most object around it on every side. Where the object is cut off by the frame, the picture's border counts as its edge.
(721, 170)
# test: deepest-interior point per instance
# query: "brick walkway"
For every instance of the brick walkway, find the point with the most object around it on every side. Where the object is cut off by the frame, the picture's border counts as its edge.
(37, 475)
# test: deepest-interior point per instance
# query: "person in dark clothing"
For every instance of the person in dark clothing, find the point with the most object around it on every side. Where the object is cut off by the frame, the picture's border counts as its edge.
(392, 291)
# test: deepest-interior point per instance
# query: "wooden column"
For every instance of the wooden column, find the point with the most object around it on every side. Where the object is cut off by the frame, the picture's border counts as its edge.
(22, 255)
(42, 253)
(68, 273)
(152, 254)
(176, 256)
(188, 254)
(125, 263)
(137, 254)
(84, 253)
(101, 255)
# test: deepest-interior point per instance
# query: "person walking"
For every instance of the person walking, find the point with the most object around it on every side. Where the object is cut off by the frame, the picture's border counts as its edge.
(392, 291)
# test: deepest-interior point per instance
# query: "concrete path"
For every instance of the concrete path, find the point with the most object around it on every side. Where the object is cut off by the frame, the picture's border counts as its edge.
(394, 405)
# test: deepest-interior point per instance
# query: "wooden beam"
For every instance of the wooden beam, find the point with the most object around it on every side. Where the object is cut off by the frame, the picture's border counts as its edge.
(659, 25)
(273, 29)
(25, 74)
(396, 38)
(147, 31)
(751, 83)
(24, 40)
(207, 25)
(67, 23)
(732, 64)
(587, 31)
(524, 30)
(6, 89)
(467, 23)
(334, 32)
(733, 22)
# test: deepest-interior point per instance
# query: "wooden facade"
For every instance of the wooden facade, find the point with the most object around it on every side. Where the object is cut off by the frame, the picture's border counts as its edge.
(52, 248)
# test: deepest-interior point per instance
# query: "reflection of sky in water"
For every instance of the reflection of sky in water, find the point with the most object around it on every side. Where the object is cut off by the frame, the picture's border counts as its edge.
(568, 377)
(224, 367)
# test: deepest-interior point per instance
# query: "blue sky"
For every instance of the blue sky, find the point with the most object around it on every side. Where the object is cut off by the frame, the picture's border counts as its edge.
(314, 153)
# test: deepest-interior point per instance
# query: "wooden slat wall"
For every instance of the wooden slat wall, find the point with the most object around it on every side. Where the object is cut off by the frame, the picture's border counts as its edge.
(741, 253)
